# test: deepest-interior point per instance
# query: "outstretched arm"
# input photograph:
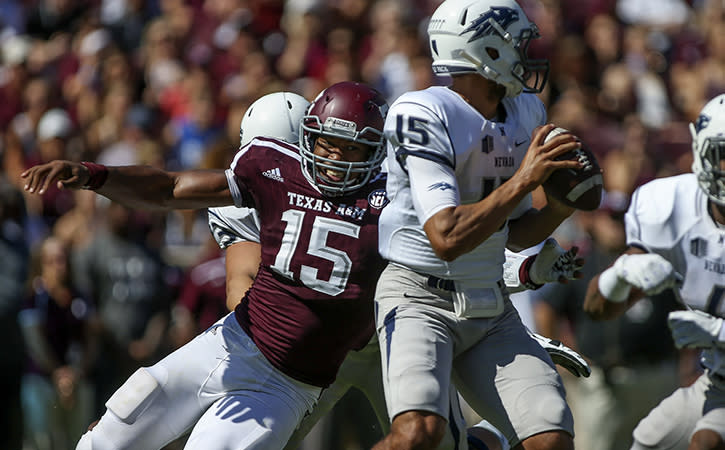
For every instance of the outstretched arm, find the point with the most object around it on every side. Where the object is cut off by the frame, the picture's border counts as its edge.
(634, 275)
(135, 186)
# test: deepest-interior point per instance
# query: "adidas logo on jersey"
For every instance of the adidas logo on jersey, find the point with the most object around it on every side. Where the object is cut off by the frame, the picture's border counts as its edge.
(274, 174)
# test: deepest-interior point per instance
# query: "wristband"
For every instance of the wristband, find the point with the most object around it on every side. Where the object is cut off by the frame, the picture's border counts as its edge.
(524, 275)
(97, 175)
(511, 266)
(612, 287)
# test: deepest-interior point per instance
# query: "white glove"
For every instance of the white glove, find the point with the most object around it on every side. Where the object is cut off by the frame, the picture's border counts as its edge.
(563, 355)
(649, 272)
(553, 263)
(696, 329)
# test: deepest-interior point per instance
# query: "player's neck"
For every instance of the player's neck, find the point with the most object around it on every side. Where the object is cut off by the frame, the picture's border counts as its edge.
(718, 213)
(482, 94)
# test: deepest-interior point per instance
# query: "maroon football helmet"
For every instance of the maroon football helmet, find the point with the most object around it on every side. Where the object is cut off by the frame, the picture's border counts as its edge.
(346, 110)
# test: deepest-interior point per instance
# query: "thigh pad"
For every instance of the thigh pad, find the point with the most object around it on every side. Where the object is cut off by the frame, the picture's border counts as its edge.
(130, 400)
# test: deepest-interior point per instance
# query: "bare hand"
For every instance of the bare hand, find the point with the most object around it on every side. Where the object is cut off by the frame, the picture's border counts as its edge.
(66, 175)
(540, 160)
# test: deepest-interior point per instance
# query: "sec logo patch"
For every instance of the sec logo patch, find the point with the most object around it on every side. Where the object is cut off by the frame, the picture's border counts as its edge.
(378, 198)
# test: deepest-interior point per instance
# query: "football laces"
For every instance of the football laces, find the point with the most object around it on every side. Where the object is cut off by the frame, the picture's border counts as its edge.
(582, 157)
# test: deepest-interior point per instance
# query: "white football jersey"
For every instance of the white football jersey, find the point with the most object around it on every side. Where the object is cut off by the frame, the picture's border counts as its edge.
(437, 125)
(670, 217)
(230, 225)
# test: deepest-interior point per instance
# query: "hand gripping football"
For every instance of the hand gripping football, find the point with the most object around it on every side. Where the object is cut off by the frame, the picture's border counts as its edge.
(577, 188)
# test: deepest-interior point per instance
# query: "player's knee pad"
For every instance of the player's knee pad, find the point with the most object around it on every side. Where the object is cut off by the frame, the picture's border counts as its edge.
(134, 396)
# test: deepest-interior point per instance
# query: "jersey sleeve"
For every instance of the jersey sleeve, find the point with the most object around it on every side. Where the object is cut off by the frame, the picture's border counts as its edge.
(647, 220)
(432, 186)
(230, 225)
(423, 151)
(632, 224)
(413, 129)
(237, 187)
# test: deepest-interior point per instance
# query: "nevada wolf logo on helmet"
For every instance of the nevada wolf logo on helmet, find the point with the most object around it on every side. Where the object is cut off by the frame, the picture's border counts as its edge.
(497, 18)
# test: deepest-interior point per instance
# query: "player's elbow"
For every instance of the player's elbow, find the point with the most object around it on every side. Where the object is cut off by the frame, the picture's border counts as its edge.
(601, 313)
(594, 313)
(597, 307)
(446, 249)
(442, 237)
(594, 304)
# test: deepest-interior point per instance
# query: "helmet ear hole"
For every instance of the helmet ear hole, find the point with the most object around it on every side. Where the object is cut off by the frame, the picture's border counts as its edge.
(464, 18)
(492, 53)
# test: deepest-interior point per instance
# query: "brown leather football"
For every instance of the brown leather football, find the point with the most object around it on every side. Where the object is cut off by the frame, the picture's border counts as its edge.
(578, 188)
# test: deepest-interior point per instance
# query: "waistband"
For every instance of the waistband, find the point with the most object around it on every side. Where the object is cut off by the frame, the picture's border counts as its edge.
(449, 285)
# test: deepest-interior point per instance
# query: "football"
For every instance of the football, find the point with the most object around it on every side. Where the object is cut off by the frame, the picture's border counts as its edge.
(578, 188)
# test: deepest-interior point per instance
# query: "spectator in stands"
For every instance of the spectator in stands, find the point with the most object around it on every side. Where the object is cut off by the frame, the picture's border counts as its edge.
(59, 331)
(14, 254)
(126, 277)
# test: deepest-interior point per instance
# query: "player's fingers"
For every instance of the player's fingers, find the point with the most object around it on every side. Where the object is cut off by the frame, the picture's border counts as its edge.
(565, 164)
(34, 176)
(69, 183)
(539, 134)
(54, 172)
(560, 139)
(561, 144)
(50, 176)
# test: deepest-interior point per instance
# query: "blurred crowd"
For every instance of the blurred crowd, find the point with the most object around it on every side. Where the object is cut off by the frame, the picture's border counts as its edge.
(90, 290)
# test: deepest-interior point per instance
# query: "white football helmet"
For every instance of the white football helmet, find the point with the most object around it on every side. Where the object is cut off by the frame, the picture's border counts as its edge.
(708, 146)
(276, 115)
(489, 37)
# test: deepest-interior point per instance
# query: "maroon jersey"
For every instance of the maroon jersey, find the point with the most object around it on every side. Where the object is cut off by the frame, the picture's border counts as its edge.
(312, 300)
